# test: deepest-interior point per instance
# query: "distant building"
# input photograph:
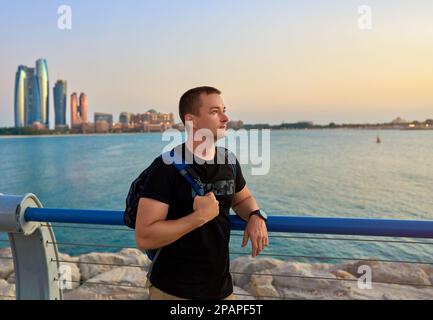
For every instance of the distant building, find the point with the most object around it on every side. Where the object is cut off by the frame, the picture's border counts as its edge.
(107, 117)
(235, 124)
(102, 126)
(399, 120)
(43, 91)
(125, 119)
(32, 95)
(152, 121)
(83, 107)
(78, 111)
(59, 93)
(74, 110)
(21, 85)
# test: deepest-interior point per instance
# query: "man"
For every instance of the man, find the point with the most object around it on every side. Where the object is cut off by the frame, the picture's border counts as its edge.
(194, 231)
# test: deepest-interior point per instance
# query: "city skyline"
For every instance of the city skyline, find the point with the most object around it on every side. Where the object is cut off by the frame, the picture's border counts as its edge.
(275, 61)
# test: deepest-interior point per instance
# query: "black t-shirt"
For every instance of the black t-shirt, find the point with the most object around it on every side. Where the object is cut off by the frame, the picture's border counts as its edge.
(196, 266)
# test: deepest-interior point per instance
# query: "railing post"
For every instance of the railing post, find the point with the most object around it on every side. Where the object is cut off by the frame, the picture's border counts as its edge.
(33, 247)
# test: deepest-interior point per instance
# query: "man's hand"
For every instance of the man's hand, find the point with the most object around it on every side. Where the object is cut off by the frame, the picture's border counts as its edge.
(258, 233)
(206, 206)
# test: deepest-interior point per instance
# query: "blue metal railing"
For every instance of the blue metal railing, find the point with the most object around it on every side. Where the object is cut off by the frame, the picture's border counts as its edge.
(283, 224)
(289, 224)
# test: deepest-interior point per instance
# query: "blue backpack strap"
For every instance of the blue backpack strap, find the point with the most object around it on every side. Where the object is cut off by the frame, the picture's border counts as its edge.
(183, 169)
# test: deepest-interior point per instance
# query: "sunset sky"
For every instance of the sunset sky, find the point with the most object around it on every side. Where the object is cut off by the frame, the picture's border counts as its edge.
(273, 60)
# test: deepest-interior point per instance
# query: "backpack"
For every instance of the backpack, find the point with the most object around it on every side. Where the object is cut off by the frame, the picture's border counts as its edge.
(136, 188)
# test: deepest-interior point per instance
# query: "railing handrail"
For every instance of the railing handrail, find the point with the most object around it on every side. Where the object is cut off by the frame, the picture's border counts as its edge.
(34, 247)
(289, 224)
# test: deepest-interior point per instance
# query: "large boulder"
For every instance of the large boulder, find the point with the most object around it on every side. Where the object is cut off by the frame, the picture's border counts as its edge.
(92, 264)
(244, 267)
(260, 286)
(390, 272)
(7, 290)
(118, 283)
(136, 257)
(6, 263)
(241, 294)
(73, 275)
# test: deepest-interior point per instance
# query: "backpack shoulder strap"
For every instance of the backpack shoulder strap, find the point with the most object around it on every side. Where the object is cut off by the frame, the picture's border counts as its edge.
(184, 170)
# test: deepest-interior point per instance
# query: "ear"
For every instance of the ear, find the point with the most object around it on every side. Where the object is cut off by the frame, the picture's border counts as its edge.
(189, 117)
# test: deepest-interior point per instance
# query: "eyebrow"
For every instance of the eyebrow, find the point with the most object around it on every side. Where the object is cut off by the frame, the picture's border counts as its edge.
(215, 107)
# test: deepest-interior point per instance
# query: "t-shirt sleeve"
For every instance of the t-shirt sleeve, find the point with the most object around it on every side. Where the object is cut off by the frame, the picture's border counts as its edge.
(159, 183)
(239, 181)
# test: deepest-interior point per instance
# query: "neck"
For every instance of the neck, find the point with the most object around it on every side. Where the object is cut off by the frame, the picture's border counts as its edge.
(202, 149)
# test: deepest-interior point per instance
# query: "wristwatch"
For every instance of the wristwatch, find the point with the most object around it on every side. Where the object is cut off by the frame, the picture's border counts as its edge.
(261, 214)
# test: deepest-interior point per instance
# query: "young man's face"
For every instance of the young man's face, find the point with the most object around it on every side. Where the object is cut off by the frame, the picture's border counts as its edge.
(211, 115)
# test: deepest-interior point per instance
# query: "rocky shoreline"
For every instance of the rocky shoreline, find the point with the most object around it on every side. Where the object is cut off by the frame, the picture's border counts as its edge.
(104, 276)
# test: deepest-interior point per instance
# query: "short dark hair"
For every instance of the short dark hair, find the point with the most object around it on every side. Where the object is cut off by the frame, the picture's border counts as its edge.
(190, 100)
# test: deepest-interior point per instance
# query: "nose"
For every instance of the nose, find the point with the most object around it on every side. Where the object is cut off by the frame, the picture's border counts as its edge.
(224, 118)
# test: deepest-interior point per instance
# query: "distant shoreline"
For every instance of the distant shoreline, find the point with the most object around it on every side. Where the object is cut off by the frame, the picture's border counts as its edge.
(9, 136)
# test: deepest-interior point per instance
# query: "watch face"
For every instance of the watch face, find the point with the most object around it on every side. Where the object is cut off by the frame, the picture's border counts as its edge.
(263, 214)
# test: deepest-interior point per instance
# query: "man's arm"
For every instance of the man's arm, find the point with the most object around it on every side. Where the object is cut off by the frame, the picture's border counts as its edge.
(152, 230)
(243, 204)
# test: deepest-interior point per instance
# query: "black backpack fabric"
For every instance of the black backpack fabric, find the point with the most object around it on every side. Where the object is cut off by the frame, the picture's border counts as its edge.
(134, 195)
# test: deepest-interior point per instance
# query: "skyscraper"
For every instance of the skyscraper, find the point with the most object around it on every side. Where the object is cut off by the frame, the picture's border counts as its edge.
(32, 95)
(74, 109)
(59, 93)
(78, 111)
(83, 107)
(43, 88)
(20, 96)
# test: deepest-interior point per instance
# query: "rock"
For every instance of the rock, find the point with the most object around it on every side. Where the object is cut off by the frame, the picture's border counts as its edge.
(390, 272)
(343, 274)
(114, 284)
(67, 257)
(92, 264)
(260, 286)
(7, 290)
(241, 294)
(71, 271)
(243, 267)
(428, 269)
(303, 275)
(11, 278)
(136, 257)
(6, 263)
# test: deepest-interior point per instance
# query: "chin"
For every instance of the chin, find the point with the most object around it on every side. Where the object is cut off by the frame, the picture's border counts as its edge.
(221, 133)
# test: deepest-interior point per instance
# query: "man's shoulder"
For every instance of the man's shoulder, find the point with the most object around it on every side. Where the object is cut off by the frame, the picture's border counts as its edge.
(162, 166)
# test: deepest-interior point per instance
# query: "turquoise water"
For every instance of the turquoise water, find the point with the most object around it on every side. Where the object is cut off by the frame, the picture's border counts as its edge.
(313, 173)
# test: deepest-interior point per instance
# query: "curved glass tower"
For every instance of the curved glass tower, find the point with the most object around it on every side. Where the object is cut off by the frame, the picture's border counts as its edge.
(20, 96)
(60, 103)
(43, 88)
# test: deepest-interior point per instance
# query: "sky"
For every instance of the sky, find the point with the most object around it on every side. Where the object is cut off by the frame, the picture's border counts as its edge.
(273, 60)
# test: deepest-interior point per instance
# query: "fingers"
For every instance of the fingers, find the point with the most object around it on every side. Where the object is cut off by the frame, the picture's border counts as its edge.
(210, 194)
(255, 245)
(258, 237)
(259, 241)
(245, 240)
